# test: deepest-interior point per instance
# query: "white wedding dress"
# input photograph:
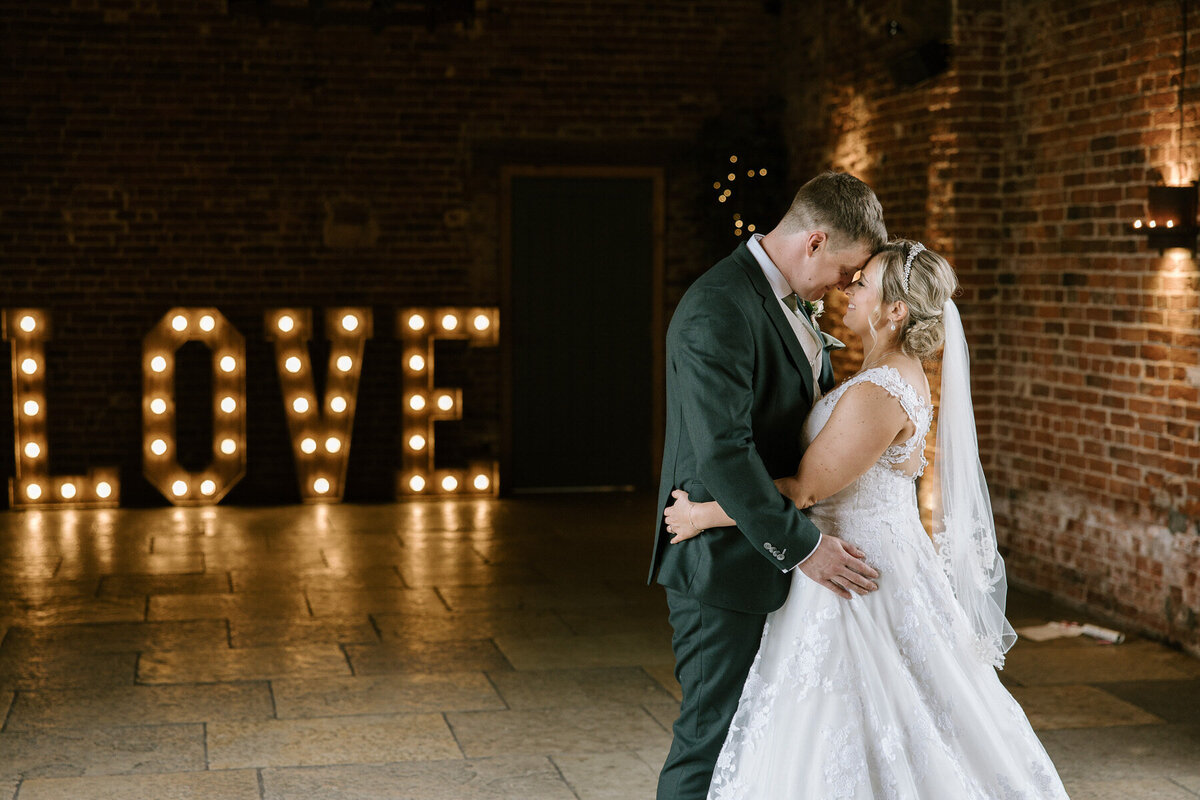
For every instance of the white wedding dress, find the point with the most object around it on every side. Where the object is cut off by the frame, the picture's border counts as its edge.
(885, 695)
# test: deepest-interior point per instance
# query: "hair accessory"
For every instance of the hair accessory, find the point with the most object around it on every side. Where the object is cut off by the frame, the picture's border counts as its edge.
(912, 253)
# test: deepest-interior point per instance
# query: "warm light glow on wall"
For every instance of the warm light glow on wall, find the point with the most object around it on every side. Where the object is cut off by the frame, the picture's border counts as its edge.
(423, 403)
(320, 471)
(228, 347)
(32, 486)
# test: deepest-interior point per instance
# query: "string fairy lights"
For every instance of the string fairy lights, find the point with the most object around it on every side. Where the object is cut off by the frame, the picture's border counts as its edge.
(725, 190)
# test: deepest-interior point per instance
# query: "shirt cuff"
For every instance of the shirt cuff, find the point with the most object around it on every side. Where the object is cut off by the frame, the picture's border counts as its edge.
(810, 555)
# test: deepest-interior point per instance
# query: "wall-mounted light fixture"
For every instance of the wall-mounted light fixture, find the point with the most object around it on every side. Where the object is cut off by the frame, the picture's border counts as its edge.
(1170, 217)
(1171, 210)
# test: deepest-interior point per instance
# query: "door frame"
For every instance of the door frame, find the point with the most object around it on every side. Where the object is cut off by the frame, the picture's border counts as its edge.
(657, 332)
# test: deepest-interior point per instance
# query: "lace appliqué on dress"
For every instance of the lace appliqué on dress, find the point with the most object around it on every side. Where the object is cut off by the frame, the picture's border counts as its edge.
(860, 699)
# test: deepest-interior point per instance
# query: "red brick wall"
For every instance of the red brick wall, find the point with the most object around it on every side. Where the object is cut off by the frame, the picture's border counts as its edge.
(1024, 163)
(1100, 337)
(164, 152)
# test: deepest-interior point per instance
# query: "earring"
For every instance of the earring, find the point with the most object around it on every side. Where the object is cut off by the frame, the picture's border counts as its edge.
(893, 326)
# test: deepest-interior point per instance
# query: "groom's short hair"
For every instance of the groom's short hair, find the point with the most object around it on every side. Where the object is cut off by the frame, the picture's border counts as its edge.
(842, 206)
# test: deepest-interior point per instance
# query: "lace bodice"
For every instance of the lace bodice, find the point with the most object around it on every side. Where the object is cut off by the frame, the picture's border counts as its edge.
(919, 410)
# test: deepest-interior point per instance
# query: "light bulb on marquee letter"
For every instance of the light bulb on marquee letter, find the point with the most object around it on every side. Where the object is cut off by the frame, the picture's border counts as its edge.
(425, 403)
(32, 486)
(162, 468)
(321, 471)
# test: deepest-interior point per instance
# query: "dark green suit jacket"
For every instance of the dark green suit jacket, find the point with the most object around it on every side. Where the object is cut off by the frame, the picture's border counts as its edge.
(738, 391)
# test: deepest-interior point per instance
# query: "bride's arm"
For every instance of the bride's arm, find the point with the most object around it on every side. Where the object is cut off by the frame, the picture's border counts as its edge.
(865, 421)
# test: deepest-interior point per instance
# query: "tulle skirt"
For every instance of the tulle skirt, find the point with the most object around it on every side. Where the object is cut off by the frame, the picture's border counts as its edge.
(882, 696)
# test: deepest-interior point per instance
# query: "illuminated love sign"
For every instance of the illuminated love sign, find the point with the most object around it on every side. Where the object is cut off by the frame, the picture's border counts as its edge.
(209, 326)
(320, 427)
(28, 330)
(424, 403)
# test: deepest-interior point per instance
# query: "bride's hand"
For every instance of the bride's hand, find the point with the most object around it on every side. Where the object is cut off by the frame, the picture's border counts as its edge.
(679, 518)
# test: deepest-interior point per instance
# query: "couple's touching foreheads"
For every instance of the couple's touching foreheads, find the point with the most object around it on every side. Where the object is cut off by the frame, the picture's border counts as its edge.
(826, 646)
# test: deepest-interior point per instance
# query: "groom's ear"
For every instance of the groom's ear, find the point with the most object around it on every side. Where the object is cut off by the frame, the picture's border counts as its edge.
(816, 240)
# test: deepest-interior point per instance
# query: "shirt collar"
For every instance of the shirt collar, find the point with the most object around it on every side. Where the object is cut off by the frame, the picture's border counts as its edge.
(774, 277)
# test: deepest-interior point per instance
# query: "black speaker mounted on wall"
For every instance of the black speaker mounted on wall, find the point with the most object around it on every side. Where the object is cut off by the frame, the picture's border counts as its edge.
(910, 67)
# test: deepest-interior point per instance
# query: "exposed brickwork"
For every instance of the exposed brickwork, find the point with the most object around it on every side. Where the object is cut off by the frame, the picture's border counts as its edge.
(163, 152)
(1100, 338)
(1025, 162)
(159, 153)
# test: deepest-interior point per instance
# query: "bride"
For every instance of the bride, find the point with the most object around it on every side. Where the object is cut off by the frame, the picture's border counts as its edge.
(891, 694)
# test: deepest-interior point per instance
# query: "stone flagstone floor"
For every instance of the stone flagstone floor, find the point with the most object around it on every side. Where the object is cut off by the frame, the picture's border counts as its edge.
(455, 650)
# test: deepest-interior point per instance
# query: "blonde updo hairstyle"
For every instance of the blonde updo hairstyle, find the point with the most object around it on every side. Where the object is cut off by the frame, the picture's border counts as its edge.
(930, 284)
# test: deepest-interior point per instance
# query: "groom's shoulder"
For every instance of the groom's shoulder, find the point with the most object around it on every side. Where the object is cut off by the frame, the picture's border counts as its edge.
(727, 276)
(723, 298)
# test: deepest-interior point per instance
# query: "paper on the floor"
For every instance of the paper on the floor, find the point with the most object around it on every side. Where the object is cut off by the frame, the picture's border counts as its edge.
(1063, 630)
(1051, 630)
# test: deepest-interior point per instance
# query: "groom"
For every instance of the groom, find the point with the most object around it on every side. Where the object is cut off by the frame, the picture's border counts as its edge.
(745, 362)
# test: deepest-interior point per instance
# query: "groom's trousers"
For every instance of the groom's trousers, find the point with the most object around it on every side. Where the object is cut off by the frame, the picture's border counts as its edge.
(714, 649)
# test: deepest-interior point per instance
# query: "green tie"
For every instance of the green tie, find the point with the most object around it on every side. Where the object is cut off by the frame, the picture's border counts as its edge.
(793, 302)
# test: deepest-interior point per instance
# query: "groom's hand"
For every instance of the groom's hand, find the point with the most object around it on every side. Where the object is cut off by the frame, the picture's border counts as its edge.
(840, 567)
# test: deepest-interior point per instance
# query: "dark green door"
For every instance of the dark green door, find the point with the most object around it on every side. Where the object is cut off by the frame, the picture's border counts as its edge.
(583, 271)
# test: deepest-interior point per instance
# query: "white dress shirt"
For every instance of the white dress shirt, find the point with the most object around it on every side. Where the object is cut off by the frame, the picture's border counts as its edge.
(806, 334)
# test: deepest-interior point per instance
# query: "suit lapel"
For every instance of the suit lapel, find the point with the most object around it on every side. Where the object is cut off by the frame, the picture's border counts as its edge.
(774, 312)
